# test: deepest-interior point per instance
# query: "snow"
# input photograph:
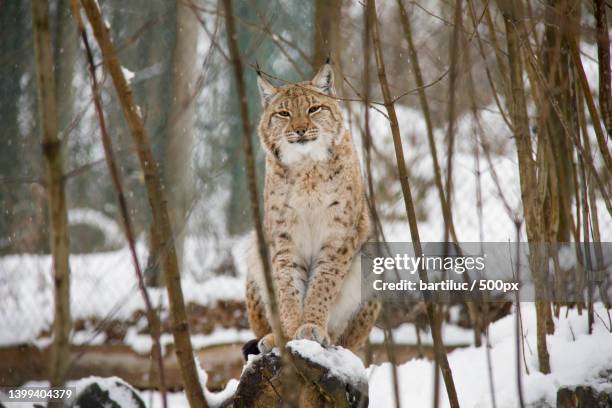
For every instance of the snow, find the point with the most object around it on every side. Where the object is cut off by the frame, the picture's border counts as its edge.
(142, 343)
(175, 399)
(405, 333)
(497, 223)
(103, 285)
(572, 357)
(215, 399)
(113, 236)
(127, 74)
(576, 358)
(341, 362)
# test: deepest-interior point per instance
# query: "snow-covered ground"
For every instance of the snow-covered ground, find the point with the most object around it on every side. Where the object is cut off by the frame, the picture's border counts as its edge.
(142, 343)
(103, 285)
(405, 333)
(576, 358)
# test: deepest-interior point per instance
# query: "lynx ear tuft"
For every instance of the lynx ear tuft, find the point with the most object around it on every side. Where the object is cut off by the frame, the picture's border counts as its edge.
(266, 89)
(324, 80)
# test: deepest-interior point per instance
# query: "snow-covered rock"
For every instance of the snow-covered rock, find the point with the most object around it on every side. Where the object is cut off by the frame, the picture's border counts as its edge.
(112, 392)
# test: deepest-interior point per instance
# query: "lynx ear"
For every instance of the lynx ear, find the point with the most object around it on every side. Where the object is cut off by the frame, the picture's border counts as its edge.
(324, 80)
(266, 90)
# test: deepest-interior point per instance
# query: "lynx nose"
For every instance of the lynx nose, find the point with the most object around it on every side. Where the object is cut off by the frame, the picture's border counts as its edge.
(301, 132)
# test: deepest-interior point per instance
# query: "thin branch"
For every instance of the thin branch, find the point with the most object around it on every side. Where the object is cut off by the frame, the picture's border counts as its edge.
(393, 100)
(250, 168)
(153, 321)
(603, 56)
(486, 65)
(180, 328)
(439, 349)
(450, 135)
(289, 394)
(518, 326)
(588, 96)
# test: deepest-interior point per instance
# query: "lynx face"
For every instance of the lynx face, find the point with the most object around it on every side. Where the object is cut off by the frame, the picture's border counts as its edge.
(300, 121)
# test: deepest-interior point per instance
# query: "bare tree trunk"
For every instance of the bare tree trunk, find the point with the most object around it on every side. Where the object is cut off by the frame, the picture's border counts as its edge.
(157, 201)
(531, 188)
(439, 349)
(603, 54)
(326, 33)
(157, 98)
(556, 60)
(178, 138)
(65, 48)
(58, 219)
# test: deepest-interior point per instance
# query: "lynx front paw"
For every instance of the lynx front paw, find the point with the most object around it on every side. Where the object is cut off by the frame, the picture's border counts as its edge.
(267, 343)
(310, 331)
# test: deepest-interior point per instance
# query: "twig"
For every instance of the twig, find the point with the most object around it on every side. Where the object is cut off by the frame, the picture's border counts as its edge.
(519, 350)
(393, 100)
(265, 28)
(486, 66)
(603, 56)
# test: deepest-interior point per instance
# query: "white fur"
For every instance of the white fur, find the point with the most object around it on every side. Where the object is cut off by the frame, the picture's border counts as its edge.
(292, 153)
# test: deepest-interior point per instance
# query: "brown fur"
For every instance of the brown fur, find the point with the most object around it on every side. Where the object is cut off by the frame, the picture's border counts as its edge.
(315, 220)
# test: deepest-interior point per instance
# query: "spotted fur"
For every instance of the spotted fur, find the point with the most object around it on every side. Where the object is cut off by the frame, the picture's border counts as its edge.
(316, 218)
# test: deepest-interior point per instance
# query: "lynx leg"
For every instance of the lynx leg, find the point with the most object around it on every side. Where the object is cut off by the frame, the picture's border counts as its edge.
(256, 311)
(358, 329)
(258, 321)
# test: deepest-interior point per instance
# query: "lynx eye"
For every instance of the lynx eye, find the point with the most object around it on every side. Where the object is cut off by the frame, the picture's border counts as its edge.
(314, 109)
(284, 114)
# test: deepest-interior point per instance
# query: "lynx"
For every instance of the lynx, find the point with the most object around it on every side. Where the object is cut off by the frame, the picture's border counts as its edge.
(315, 221)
